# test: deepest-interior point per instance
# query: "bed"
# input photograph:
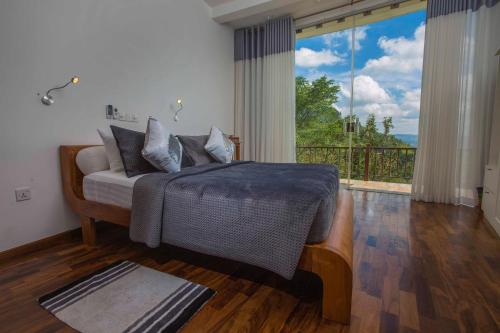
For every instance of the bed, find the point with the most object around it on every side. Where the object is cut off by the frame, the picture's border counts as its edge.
(107, 196)
(115, 188)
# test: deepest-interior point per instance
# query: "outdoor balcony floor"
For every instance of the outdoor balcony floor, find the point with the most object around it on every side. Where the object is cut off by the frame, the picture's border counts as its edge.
(378, 186)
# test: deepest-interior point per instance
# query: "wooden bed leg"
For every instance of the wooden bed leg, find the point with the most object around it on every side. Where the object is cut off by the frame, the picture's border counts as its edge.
(88, 230)
(336, 275)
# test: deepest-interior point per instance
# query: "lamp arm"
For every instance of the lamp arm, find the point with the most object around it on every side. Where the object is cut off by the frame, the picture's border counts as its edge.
(57, 88)
(179, 109)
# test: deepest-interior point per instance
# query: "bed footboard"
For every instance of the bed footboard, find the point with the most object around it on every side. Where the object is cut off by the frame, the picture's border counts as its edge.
(331, 260)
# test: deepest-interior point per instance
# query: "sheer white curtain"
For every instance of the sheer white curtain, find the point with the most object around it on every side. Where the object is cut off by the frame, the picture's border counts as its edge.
(265, 91)
(458, 87)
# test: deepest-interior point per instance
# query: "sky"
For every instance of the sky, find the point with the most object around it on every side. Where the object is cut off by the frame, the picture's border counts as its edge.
(388, 68)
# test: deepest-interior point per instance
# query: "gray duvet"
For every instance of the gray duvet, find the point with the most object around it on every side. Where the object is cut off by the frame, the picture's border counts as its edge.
(256, 213)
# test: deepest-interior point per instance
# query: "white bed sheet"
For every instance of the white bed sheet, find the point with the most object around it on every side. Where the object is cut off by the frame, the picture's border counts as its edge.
(109, 187)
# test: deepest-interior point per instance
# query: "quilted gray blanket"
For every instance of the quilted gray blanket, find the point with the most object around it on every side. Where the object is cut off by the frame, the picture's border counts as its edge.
(256, 213)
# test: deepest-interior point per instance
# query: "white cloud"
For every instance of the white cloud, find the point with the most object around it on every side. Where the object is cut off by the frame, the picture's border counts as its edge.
(371, 97)
(385, 86)
(367, 90)
(411, 102)
(405, 125)
(305, 57)
(313, 74)
(380, 110)
(400, 68)
(340, 108)
(401, 65)
(334, 39)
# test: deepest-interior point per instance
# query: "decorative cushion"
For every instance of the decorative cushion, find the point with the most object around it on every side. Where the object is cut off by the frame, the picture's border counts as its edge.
(194, 152)
(219, 146)
(130, 144)
(92, 159)
(162, 149)
(112, 151)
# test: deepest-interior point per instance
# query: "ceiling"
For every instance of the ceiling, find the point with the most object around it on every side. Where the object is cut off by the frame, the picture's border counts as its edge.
(240, 13)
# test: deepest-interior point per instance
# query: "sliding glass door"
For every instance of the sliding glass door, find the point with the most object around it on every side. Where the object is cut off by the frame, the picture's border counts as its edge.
(358, 95)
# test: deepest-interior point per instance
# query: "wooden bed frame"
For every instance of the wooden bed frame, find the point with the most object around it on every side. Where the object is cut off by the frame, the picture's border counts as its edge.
(331, 260)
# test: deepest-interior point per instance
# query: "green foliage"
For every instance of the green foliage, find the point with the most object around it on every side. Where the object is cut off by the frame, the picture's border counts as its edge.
(387, 123)
(314, 101)
(370, 132)
(319, 123)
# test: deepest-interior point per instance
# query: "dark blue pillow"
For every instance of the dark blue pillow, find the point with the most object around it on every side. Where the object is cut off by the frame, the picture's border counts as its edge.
(193, 150)
(130, 144)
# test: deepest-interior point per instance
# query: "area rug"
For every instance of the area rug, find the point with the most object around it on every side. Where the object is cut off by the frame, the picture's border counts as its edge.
(127, 297)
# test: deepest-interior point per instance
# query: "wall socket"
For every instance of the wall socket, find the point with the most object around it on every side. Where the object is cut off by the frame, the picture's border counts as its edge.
(23, 193)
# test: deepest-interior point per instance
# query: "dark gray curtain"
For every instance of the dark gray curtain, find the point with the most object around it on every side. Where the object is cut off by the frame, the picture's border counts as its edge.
(445, 7)
(274, 36)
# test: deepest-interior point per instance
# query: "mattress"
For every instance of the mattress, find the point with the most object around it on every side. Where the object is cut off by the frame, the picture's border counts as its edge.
(109, 187)
(115, 188)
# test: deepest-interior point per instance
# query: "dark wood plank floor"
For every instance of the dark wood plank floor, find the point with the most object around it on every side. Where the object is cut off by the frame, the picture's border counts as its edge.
(418, 267)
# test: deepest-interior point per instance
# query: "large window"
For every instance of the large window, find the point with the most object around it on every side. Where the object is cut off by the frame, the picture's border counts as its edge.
(373, 137)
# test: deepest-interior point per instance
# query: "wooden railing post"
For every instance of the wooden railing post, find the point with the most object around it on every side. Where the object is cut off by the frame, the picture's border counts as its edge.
(367, 162)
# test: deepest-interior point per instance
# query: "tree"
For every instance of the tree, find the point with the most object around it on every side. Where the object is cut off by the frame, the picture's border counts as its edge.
(387, 123)
(370, 131)
(314, 101)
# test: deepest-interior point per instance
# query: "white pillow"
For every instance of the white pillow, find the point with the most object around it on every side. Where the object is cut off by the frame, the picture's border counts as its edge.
(219, 146)
(161, 148)
(92, 159)
(112, 151)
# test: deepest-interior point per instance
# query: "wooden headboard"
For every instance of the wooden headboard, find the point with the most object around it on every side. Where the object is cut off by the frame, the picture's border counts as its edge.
(72, 177)
(237, 145)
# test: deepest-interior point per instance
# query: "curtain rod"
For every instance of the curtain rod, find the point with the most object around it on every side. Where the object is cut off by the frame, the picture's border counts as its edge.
(394, 3)
(327, 10)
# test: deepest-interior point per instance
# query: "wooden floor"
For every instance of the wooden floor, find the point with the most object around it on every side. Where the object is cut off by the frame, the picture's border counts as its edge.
(418, 267)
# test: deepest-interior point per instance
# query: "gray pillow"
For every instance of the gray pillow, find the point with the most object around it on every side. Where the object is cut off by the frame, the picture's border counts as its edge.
(193, 148)
(130, 144)
(219, 146)
(162, 149)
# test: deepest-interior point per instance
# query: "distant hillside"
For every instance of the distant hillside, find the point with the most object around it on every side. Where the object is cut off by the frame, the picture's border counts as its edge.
(411, 139)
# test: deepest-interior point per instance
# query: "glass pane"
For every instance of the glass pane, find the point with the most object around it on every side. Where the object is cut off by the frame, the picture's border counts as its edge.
(373, 141)
(322, 77)
(387, 77)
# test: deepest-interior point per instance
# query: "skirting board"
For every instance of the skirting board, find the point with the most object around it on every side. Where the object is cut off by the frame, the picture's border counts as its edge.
(495, 225)
(40, 244)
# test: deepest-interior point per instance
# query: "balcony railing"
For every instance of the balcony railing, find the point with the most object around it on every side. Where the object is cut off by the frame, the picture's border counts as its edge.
(387, 164)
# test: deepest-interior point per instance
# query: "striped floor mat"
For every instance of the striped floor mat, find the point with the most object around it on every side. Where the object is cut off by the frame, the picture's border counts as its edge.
(127, 297)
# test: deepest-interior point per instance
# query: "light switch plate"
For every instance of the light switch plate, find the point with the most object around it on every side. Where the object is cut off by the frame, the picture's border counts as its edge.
(23, 193)
(109, 111)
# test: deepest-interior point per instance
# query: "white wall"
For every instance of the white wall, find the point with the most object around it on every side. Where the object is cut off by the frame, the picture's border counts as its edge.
(137, 55)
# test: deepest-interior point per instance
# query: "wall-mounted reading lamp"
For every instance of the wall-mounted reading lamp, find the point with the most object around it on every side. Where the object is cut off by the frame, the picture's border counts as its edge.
(47, 99)
(179, 109)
